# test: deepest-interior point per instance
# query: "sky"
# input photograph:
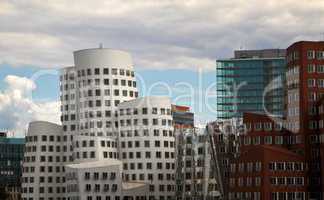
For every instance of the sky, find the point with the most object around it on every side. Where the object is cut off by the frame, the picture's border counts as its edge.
(171, 41)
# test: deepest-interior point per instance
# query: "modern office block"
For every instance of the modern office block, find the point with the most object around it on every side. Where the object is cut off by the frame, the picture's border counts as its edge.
(11, 157)
(111, 145)
(252, 81)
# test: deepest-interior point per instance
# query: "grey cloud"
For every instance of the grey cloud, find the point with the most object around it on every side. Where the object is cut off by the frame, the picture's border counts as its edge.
(159, 34)
(17, 107)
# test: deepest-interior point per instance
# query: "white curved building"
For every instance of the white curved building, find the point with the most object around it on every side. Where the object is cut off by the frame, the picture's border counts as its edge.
(147, 144)
(43, 171)
(91, 91)
(105, 129)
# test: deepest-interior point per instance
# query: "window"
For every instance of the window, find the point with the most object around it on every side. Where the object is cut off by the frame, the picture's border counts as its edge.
(147, 143)
(320, 69)
(268, 139)
(311, 68)
(320, 83)
(97, 71)
(145, 121)
(310, 54)
(311, 82)
(106, 81)
(257, 181)
(312, 96)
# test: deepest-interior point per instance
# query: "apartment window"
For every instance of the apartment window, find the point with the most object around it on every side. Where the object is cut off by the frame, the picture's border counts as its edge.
(320, 69)
(257, 181)
(106, 71)
(145, 121)
(311, 68)
(155, 122)
(268, 139)
(311, 82)
(312, 96)
(320, 83)
(125, 93)
(279, 140)
(310, 54)
(97, 71)
(135, 111)
(158, 154)
(144, 111)
(106, 81)
(146, 143)
(149, 166)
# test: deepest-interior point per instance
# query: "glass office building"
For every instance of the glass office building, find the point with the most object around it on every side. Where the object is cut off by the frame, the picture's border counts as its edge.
(11, 157)
(252, 81)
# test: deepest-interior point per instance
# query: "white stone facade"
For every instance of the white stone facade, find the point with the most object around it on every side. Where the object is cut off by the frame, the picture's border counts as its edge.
(105, 130)
(147, 144)
(43, 170)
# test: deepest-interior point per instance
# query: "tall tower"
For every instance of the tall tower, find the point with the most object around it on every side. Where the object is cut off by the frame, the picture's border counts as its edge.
(252, 81)
(90, 93)
(305, 90)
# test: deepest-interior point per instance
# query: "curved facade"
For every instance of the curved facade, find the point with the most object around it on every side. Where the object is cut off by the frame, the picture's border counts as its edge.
(91, 91)
(147, 144)
(103, 123)
(43, 173)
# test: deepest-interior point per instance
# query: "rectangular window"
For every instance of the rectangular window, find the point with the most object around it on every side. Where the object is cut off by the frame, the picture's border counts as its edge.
(310, 54)
(320, 69)
(311, 82)
(311, 68)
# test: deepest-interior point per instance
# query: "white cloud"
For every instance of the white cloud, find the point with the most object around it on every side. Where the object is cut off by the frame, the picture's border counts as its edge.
(159, 34)
(17, 107)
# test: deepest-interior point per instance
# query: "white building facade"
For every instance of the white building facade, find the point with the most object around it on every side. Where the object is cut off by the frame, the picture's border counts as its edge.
(105, 130)
(43, 171)
(147, 144)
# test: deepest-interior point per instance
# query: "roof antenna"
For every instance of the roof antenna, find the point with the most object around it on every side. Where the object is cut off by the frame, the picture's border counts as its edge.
(100, 46)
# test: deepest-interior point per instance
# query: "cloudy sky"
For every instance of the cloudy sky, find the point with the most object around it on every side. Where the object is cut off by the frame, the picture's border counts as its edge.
(177, 38)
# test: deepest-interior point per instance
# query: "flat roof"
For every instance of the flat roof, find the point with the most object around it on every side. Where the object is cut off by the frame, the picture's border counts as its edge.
(95, 164)
(247, 59)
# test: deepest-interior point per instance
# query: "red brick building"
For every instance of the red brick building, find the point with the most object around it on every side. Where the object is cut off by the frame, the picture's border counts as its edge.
(266, 169)
(299, 144)
(305, 80)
